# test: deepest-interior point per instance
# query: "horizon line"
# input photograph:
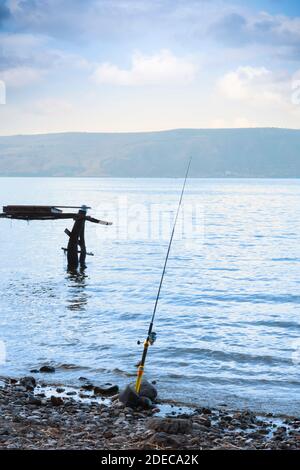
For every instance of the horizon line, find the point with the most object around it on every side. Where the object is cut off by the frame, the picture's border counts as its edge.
(153, 131)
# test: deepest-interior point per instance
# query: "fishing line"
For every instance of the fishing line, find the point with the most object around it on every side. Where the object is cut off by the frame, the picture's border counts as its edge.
(151, 336)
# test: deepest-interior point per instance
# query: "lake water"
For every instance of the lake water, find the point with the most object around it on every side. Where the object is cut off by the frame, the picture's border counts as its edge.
(228, 321)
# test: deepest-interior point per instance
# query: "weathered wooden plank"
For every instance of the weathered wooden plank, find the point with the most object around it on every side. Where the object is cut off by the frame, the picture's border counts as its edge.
(25, 209)
(52, 216)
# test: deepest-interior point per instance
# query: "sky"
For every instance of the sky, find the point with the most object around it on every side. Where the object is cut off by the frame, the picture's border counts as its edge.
(147, 65)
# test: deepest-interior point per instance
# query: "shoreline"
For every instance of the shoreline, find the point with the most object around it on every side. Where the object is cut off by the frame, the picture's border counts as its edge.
(42, 416)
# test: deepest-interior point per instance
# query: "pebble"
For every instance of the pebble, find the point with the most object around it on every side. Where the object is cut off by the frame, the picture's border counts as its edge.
(32, 400)
(56, 401)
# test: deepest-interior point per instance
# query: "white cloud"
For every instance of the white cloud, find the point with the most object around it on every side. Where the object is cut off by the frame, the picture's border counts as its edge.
(284, 27)
(260, 96)
(24, 52)
(255, 84)
(160, 68)
(18, 43)
(239, 28)
(21, 76)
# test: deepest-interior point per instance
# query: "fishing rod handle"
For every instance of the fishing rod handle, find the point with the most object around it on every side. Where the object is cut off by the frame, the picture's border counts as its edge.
(140, 371)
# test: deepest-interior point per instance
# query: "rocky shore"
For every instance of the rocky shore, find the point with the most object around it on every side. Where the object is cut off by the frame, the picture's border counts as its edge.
(38, 416)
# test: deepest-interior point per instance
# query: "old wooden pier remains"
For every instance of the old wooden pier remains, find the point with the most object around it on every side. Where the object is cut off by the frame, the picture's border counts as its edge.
(76, 249)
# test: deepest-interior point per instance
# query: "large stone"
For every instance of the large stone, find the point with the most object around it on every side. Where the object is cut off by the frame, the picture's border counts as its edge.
(148, 390)
(107, 390)
(170, 425)
(28, 382)
(129, 397)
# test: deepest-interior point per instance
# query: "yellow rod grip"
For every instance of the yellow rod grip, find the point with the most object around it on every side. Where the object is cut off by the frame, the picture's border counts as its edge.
(139, 379)
(141, 367)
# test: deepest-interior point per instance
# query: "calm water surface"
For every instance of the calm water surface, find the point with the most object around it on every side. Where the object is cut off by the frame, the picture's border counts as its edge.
(228, 322)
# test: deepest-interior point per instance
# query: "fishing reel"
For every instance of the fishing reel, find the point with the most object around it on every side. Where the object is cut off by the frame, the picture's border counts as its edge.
(152, 338)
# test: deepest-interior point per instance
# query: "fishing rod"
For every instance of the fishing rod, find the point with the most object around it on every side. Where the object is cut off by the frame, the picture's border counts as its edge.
(151, 335)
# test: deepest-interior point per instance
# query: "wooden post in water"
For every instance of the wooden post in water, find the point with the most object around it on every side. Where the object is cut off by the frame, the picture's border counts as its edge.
(76, 236)
(82, 247)
(77, 239)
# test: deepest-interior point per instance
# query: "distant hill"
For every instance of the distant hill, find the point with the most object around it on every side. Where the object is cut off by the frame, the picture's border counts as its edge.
(216, 153)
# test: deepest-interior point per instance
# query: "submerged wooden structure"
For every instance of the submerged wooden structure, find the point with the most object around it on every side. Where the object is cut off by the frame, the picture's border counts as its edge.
(76, 245)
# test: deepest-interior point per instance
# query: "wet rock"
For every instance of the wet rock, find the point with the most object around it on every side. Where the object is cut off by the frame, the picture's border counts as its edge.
(204, 411)
(32, 400)
(106, 390)
(170, 425)
(145, 403)
(19, 390)
(204, 421)
(248, 417)
(263, 431)
(88, 387)
(281, 429)
(28, 382)
(129, 397)
(148, 390)
(47, 369)
(60, 389)
(56, 401)
(228, 418)
(34, 371)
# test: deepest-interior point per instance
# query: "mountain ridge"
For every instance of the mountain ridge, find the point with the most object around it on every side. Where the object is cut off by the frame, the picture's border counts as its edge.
(244, 152)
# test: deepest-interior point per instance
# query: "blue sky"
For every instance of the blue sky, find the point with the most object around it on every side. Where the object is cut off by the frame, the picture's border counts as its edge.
(141, 65)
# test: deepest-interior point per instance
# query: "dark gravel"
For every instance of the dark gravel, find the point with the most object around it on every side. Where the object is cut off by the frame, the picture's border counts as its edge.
(31, 420)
